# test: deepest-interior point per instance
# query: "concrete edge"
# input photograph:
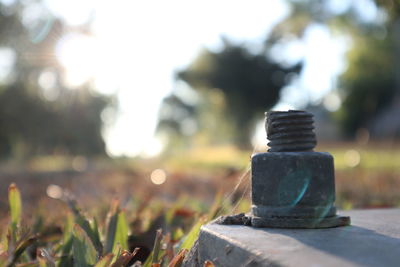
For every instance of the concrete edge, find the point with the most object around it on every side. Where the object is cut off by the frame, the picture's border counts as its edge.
(228, 252)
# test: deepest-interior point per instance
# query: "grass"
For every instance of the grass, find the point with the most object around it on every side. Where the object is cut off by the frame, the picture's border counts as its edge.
(367, 176)
(114, 216)
(375, 157)
(80, 240)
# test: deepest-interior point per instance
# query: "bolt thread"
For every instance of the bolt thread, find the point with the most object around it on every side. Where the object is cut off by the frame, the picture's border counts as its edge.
(290, 131)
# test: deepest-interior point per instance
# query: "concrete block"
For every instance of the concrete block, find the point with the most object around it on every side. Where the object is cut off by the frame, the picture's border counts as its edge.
(373, 239)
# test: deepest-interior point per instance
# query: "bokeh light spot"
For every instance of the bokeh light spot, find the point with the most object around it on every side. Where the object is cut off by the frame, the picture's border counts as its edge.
(332, 102)
(158, 176)
(54, 191)
(352, 158)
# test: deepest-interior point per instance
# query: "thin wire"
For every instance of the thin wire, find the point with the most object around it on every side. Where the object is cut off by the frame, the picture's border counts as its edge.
(241, 179)
(240, 199)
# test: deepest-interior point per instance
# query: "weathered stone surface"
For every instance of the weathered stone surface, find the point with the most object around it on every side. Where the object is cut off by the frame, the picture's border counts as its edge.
(373, 239)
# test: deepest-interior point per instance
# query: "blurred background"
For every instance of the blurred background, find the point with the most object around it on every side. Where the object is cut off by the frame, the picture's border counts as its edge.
(167, 98)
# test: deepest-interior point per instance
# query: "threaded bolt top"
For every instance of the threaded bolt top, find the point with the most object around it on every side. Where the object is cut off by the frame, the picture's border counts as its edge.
(290, 131)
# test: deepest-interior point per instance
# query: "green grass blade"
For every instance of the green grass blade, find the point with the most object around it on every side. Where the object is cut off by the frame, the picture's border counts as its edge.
(157, 246)
(112, 222)
(22, 246)
(84, 251)
(116, 252)
(65, 261)
(67, 239)
(4, 243)
(111, 231)
(148, 261)
(65, 257)
(121, 233)
(68, 227)
(193, 234)
(84, 224)
(155, 253)
(96, 236)
(14, 199)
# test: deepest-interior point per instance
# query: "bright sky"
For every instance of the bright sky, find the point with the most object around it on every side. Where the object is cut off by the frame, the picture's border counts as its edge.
(138, 45)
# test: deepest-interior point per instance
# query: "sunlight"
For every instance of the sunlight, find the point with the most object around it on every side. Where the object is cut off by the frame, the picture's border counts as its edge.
(78, 54)
(133, 55)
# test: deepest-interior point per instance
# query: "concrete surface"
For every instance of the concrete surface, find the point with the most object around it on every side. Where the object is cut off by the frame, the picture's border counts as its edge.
(372, 240)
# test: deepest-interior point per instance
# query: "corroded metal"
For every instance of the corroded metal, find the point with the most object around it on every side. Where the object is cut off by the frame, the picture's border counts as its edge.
(290, 131)
(293, 186)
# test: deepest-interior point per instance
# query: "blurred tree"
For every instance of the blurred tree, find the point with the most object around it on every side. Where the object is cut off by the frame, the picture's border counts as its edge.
(35, 119)
(369, 88)
(246, 84)
(370, 84)
(173, 114)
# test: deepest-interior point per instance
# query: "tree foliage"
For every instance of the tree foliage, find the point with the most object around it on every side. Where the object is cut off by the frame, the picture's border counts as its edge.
(31, 123)
(248, 83)
(370, 83)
